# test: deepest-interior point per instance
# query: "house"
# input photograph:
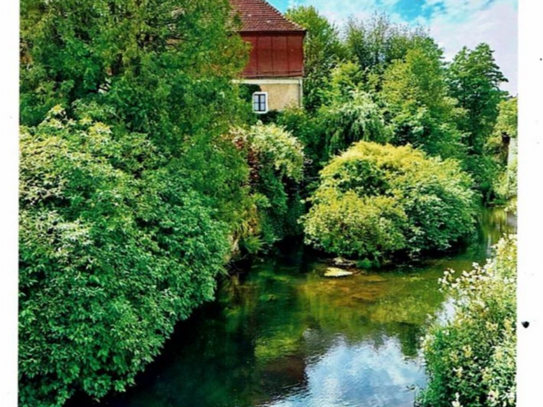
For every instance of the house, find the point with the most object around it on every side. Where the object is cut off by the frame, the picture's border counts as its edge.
(276, 61)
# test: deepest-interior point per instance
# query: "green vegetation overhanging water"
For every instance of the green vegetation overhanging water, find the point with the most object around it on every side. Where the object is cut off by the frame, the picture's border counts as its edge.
(281, 335)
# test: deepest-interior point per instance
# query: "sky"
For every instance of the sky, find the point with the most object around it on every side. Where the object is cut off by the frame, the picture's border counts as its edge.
(453, 23)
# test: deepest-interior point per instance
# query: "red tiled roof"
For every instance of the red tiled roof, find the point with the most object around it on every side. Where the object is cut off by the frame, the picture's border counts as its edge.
(258, 15)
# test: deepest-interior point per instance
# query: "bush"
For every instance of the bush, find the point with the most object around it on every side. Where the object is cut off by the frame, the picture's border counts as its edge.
(309, 130)
(276, 159)
(115, 248)
(470, 361)
(378, 200)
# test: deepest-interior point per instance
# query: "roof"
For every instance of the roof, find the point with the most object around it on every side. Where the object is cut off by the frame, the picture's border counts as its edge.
(259, 15)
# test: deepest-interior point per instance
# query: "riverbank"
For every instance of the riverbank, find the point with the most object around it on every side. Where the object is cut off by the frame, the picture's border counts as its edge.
(282, 335)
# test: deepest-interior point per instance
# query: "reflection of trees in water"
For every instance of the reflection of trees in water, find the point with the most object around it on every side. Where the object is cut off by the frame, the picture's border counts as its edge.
(495, 223)
(374, 308)
(269, 327)
(277, 332)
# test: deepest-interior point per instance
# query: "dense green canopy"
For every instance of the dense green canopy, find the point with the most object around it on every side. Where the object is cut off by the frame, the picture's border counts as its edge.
(129, 192)
(141, 176)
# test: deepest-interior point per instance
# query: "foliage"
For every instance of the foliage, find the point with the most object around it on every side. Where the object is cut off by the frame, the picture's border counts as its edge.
(352, 118)
(115, 248)
(279, 149)
(474, 80)
(471, 359)
(507, 120)
(349, 115)
(130, 198)
(277, 165)
(499, 147)
(153, 62)
(309, 130)
(377, 42)
(416, 97)
(322, 50)
(352, 226)
(378, 200)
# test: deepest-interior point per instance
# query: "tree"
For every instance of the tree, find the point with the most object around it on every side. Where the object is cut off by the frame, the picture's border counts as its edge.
(376, 43)
(322, 50)
(153, 62)
(149, 65)
(474, 79)
(417, 101)
(130, 192)
(115, 248)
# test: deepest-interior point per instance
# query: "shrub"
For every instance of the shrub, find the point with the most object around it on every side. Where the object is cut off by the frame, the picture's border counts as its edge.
(277, 167)
(470, 361)
(115, 248)
(379, 200)
(309, 130)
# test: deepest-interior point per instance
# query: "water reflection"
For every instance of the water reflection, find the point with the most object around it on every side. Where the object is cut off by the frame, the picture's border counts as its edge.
(349, 374)
(284, 336)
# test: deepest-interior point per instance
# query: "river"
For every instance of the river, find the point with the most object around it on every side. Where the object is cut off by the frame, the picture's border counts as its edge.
(281, 335)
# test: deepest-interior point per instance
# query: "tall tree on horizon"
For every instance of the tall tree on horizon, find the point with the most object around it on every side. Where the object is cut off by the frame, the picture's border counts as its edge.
(474, 80)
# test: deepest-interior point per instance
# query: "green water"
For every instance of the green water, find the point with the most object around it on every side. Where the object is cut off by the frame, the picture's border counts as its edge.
(281, 335)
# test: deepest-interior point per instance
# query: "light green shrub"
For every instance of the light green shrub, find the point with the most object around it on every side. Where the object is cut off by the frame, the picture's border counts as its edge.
(378, 200)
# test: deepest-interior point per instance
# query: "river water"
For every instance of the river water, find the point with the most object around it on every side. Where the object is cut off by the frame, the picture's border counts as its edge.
(281, 335)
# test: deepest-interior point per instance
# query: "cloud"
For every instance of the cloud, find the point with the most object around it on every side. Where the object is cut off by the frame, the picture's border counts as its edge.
(453, 23)
(459, 25)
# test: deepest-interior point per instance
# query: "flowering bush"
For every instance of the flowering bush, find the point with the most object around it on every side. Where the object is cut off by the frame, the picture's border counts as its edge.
(471, 359)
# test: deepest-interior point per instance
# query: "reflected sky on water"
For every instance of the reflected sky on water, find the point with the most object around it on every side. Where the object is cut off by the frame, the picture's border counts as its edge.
(282, 335)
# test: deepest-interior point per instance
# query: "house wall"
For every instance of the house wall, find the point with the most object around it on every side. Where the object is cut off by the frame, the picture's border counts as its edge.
(282, 93)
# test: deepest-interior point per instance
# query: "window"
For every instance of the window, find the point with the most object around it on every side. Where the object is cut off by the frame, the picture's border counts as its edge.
(260, 102)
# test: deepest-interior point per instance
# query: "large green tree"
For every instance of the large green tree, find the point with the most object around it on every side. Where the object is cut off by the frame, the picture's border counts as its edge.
(115, 248)
(474, 80)
(418, 104)
(130, 193)
(152, 61)
(322, 50)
